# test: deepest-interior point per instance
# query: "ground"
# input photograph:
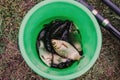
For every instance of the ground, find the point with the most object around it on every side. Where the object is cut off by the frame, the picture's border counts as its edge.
(12, 65)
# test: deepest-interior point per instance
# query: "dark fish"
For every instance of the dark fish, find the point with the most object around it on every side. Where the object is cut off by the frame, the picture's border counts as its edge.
(47, 37)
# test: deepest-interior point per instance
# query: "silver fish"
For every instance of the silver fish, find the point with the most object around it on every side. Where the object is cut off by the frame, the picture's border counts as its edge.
(46, 56)
(65, 49)
(75, 38)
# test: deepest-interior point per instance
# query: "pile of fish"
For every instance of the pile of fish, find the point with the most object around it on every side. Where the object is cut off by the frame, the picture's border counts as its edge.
(57, 45)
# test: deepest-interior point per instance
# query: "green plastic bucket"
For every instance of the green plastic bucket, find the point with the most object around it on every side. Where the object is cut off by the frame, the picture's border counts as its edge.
(49, 10)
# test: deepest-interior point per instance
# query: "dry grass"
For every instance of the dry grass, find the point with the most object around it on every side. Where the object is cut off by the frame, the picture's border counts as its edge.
(12, 65)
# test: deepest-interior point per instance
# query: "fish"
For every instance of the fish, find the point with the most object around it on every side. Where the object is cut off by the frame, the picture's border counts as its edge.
(45, 56)
(49, 58)
(57, 45)
(56, 30)
(63, 64)
(65, 49)
(75, 39)
(53, 29)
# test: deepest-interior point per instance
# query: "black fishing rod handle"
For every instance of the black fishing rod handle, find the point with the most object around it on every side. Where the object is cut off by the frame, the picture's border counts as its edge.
(107, 25)
(113, 30)
(112, 6)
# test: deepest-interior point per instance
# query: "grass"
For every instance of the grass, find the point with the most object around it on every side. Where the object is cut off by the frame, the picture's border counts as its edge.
(12, 65)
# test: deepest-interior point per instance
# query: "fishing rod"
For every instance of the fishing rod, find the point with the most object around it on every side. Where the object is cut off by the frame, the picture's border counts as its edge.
(112, 6)
(105, 22)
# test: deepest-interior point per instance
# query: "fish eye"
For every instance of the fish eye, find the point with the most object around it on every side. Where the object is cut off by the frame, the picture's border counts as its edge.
(53, 42)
